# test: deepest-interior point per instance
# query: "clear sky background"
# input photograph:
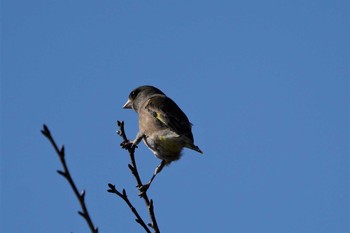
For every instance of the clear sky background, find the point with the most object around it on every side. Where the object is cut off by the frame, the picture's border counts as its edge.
(265, 84)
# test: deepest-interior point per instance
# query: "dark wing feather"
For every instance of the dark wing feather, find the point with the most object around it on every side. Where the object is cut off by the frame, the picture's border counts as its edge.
(167, 112)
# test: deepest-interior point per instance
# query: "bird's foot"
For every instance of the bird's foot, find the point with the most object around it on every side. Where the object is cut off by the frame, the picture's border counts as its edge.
(128, 145)
(143, 189)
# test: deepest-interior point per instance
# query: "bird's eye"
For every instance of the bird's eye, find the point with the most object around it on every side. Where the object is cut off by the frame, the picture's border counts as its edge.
(133, 94)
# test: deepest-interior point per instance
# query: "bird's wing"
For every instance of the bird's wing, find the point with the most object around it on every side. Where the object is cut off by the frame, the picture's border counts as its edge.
(168, 113)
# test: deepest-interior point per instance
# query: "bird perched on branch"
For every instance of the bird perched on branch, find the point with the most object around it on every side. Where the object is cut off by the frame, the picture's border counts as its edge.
(163, 126)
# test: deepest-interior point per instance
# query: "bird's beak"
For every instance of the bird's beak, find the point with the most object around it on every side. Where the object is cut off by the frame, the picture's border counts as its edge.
(128, 104)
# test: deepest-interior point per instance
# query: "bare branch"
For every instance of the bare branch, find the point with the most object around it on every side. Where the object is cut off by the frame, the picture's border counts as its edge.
(126, 144)
(123, 195)
(66, 174)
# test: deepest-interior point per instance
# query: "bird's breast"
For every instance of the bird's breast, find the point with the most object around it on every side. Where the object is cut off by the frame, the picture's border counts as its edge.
(165, 147)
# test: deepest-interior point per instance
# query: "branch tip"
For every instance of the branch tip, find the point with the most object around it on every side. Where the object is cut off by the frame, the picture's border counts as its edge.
(45, 131)
(131, 167)
(62, 173)
(81, 214)
(82, 193)
(62, 150)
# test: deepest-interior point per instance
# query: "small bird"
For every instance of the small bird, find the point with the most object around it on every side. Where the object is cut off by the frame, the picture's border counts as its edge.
(163, 126)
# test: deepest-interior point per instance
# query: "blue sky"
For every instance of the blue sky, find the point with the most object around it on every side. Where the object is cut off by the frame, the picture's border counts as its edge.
(265, 84)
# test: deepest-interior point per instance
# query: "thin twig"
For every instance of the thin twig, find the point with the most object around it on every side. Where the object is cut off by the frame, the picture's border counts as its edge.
(66, 174)
(123, 195)
(133, 168)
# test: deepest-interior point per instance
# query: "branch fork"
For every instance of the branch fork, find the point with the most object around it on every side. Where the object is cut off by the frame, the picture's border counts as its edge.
(127, 144)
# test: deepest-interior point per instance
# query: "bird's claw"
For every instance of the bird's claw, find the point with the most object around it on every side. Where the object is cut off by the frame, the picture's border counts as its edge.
(143, 189)
(128, 145)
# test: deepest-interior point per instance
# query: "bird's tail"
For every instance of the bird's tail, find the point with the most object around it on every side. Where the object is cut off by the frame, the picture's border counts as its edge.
(189, 144)
(195, 148)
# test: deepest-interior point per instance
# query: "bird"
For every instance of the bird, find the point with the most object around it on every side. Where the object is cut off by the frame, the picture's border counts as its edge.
(163, 127)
